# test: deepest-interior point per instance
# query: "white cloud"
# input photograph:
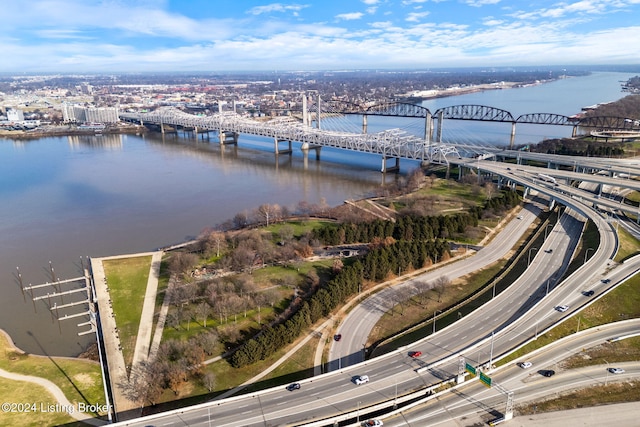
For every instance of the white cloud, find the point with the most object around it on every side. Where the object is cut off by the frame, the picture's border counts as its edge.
(415, 16)
(480, 3)
(276, 7)
(350, 16)
(370, 1)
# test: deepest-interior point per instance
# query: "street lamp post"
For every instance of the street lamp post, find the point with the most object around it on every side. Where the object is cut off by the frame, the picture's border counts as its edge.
(358, 412)
(494, 289)
(585, 255)
(545, 231)
(529, 258)
(434, 321)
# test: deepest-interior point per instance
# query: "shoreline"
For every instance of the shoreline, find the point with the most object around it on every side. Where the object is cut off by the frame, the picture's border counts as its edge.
(424, 95)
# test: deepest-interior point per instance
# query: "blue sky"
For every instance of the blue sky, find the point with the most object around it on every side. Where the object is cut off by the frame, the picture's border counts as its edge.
(230, 35)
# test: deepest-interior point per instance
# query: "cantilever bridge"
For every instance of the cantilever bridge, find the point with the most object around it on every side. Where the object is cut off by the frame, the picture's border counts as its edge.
(392, 144)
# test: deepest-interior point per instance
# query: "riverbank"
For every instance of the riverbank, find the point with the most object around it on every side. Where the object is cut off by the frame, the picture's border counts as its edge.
(423, 95)
(44, 390)
(66, 130)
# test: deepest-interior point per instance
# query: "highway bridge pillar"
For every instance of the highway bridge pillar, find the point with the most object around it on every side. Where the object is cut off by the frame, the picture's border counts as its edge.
(513, 135)
(439, 131)
(161, 127)
(276, 145)
(552, 204)
(306, 147)
(364, 123)
(228, 137)
(386, 168)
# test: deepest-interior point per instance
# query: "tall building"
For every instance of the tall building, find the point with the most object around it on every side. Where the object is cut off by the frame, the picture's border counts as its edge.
(79, 114)
(14, 115)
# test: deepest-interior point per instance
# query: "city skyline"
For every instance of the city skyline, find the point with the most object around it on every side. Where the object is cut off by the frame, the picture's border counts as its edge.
(198, 35)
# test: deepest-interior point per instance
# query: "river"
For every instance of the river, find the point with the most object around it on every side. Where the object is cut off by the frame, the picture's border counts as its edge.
(65, 198)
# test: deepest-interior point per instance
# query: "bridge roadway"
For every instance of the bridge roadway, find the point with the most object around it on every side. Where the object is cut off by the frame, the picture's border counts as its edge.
(527, 177)
(334, 393)
(613, 165)
(392, 143)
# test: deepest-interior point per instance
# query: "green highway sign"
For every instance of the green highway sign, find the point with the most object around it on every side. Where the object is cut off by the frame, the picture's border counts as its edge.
(485, 379)
(470, 369)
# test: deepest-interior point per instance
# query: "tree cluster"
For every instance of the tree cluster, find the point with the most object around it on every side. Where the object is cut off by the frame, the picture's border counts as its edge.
(176, 363)
(578, 147)
(411, 242)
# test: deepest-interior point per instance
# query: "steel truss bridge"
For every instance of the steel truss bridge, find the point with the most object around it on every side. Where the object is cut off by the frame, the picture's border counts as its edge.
(390, 144)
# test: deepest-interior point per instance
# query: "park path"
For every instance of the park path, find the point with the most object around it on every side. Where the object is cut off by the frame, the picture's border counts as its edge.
(143, 340)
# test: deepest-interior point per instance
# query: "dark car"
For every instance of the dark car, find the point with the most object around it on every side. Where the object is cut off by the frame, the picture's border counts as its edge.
(294, 386)
(337, 337)
(548, 373)
(588, 293)
(606, 280)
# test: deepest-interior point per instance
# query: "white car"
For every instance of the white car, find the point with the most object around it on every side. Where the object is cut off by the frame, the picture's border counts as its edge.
(562, 308)
(525, 365)
(362, 379)
(616, 370)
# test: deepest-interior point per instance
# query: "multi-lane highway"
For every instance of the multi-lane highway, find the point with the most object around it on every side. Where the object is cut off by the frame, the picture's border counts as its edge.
(512, 318)
(473, 401)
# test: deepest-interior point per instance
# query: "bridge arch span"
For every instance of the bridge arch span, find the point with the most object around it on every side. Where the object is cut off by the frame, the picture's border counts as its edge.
(398, 109)
(474, 112)
(609, 123)
(546, 119)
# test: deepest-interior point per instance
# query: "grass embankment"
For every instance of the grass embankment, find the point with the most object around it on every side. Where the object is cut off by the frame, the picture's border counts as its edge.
(127, 281)
(80, 380)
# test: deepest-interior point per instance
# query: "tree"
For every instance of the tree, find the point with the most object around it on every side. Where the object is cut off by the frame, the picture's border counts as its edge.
(440, 285)
(203, 309)
(209, 381)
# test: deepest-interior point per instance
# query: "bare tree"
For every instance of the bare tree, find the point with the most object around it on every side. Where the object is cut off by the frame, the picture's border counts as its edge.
(489, 189)
(208, 342)
(440, 285)
(209, 381)
(268, 213)
(285, 234)
(421, 287)
(203, 309)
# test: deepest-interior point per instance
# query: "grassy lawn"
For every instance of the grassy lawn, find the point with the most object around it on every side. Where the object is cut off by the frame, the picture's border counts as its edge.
(629, 245)
(593, 396)
(127, 280)
(25, 392)
(300, 228)
(80, 380)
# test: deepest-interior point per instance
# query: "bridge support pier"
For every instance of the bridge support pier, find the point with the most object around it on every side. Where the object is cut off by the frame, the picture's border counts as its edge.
(276, 146)
(306, 147)
(385, 168)
(228, 137)
(513, 135)
(552, 204)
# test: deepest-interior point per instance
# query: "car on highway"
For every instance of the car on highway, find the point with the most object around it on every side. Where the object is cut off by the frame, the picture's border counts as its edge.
(616, 370)
(361, 379)
(373, 423)
(337, 337)
(547, 372)
(294, 386)
(562, 308)
(548, 251)
(588, 293)
(606, 280)
(519, 216)
(525, 365)
(415, 354)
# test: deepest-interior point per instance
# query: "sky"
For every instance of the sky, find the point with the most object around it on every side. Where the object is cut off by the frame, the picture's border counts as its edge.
(78, 36)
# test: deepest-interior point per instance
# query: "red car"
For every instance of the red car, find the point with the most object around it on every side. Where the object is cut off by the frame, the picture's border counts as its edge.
(415, 354)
